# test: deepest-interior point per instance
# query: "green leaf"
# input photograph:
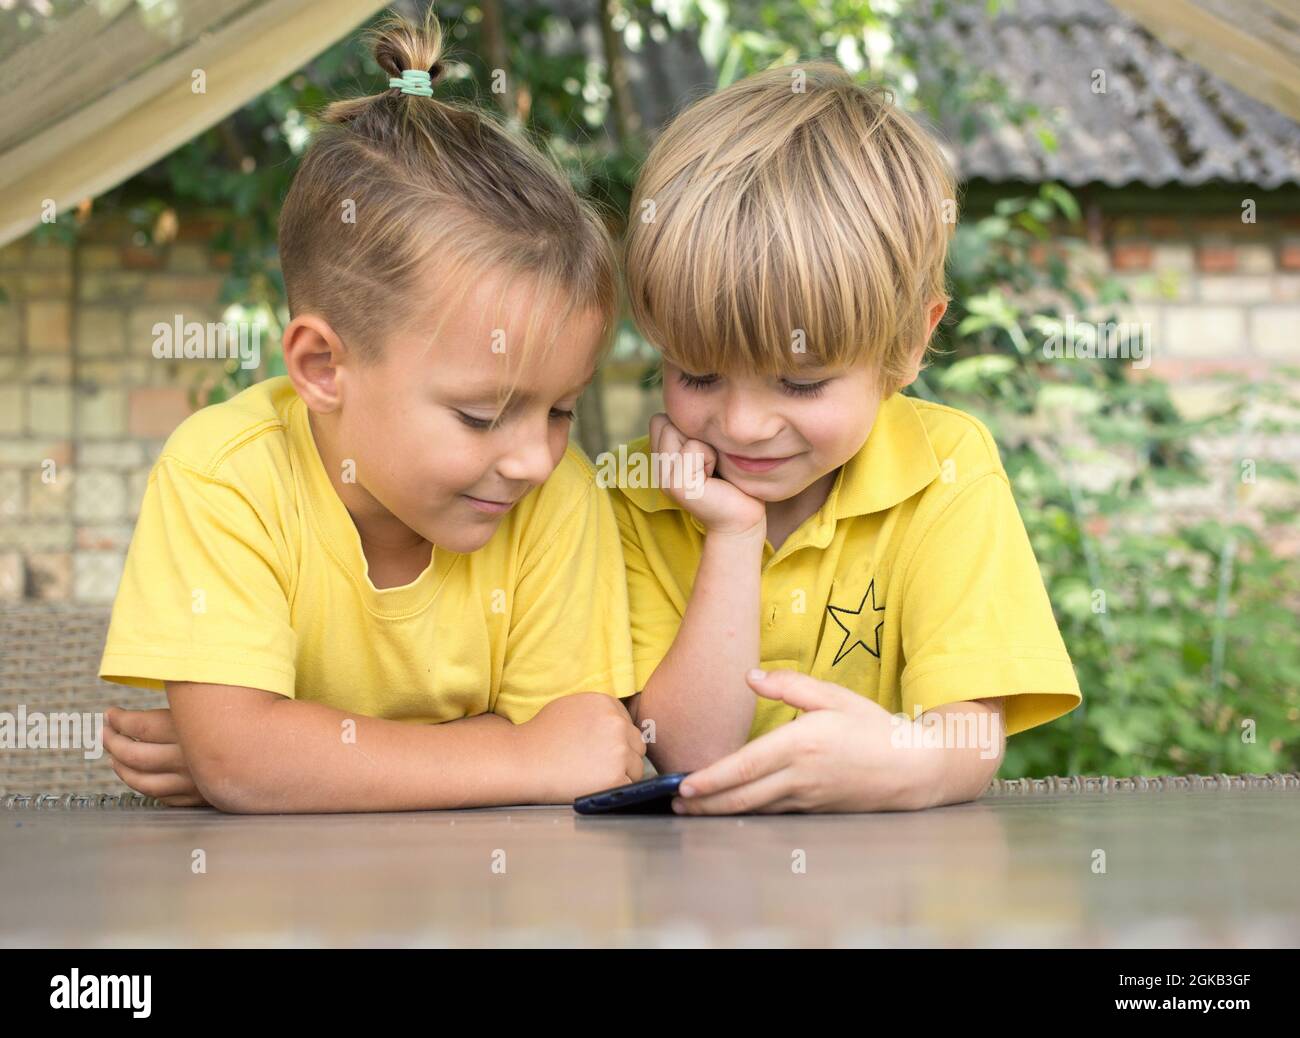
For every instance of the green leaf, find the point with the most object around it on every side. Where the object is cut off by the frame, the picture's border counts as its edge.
(1062, 199)
(966, 374)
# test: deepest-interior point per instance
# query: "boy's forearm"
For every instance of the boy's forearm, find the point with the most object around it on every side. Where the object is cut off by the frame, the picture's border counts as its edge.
(697, 697)
(294, 756)
(957, 774)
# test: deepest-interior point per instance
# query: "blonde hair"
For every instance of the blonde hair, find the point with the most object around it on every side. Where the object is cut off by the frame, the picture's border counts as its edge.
(433, 182)
(764, 211)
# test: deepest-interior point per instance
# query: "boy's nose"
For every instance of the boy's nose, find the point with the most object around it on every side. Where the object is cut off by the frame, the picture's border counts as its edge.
(745, 423)
(528, 461)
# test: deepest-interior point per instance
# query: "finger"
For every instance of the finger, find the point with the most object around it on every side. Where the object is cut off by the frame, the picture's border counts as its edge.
(145, 725)
(656, 428)
(635, 745)
(144, 756)
(686, 467)
(634, 759)
(752, 796)
(152, 785)
(659, 425)
(700, 447)
(767, 754)
(670, 455)
(801, 691)
(708, 456)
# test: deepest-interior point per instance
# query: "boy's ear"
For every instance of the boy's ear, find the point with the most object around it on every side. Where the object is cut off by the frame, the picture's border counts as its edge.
(933, 316)
(937, 309)
(312, 355)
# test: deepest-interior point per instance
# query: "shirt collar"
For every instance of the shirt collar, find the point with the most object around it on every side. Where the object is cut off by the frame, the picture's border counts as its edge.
(896, 462)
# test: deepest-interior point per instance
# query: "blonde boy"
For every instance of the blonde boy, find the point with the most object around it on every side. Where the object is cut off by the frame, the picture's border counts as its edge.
(856, 557)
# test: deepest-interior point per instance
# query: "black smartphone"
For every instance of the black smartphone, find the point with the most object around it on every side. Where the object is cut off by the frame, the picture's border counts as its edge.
(652, 796)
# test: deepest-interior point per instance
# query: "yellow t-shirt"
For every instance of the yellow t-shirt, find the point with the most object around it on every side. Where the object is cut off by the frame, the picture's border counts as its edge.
(914, 584)
(246, 569)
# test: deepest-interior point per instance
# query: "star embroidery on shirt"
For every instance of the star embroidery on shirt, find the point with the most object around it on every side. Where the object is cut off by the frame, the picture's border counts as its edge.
(851, 639)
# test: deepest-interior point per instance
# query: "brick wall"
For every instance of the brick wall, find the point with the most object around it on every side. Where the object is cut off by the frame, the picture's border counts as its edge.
(84, 405)
(1218, 294)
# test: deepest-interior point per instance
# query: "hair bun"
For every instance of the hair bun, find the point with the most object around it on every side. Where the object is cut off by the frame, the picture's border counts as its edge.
(398, 45)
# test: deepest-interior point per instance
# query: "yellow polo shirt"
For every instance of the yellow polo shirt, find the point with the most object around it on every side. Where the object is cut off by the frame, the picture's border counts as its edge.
(914, 584)
(246, 569)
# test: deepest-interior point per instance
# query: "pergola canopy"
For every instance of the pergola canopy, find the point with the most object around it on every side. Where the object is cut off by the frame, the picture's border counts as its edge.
(95, 92)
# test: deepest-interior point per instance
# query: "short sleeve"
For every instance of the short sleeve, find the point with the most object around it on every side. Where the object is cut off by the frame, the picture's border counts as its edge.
(976, 620)
(204, 593)
(656, 617)
(569, 622)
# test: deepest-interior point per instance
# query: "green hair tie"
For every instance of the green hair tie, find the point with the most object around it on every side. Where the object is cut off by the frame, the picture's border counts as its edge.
(413, 81)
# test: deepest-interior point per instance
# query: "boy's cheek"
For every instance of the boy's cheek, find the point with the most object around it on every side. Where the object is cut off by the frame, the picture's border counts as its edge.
(680, 412)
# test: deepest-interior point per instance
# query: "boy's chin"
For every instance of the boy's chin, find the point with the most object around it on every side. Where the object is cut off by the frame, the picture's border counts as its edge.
(463, 538)
(770, 490)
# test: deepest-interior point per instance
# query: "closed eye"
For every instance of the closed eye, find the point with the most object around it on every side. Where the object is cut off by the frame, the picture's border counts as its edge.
(805, 388)
(696, 381)
(480, 424)
(484, 424)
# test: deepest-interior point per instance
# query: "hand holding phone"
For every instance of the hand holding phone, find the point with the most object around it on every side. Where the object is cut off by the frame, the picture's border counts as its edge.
(652, 796)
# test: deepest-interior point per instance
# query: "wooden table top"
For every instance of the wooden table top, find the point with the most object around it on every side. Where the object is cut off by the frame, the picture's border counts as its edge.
(1181, 869)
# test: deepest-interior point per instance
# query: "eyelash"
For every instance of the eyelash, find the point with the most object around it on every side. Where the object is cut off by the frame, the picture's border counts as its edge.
(484, 424)
(704, 381)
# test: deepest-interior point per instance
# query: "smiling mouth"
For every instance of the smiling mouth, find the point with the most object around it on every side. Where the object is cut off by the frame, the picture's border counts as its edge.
(484, 504)
(755, 464)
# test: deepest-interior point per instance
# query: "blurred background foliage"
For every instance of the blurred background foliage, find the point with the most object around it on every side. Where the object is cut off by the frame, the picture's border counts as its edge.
(1183, 633)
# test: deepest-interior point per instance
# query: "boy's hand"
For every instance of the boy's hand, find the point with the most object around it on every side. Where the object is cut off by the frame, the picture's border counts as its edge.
(841, 755)
(580, 744)
(146, 753)
(720, 506)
